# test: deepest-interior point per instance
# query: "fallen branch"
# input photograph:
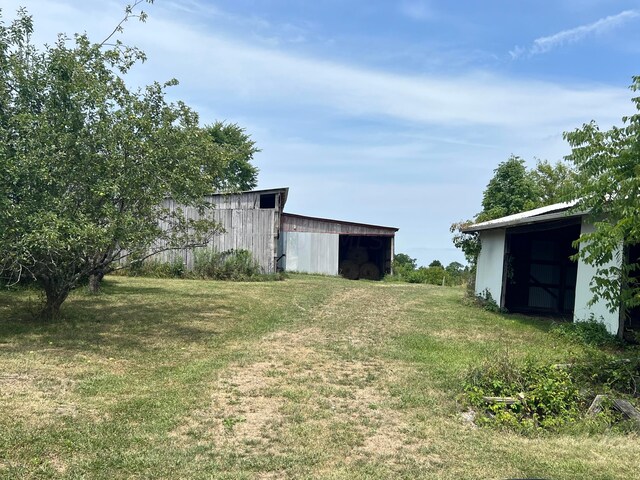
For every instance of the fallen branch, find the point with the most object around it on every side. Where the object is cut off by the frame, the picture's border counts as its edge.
(505, 400)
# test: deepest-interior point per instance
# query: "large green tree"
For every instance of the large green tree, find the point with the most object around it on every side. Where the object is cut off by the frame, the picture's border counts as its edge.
(513, 189)
(554, 182)
(239, 173)
(510, 190)
(608, 186)
(86, 162)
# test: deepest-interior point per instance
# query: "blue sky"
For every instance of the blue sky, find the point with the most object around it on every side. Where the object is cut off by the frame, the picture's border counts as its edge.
(386, 112)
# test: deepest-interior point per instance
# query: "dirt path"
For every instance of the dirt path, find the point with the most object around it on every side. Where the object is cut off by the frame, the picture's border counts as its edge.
(316, 386)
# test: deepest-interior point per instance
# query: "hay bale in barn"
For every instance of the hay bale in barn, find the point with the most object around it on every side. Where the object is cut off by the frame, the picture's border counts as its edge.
(358, 255)
(369, 271)
(349, 269)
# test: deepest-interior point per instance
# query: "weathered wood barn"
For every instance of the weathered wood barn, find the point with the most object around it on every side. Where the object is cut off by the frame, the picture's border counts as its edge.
(255, 221)
(251, 221)
(525, 265)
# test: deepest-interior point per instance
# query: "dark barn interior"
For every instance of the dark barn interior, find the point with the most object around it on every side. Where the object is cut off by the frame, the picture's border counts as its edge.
(634, 257)
(540, 277)
(364, 256)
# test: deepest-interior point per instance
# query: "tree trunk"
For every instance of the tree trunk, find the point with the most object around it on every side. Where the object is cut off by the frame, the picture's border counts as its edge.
(95, 279)
(51, 310)
(54, 299)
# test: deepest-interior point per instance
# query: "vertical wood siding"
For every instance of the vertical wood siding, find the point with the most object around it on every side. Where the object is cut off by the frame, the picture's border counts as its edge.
(246, 225)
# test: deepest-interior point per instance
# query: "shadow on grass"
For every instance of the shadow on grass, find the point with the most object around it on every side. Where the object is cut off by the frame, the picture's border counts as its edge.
(542, 323)
(123, 317)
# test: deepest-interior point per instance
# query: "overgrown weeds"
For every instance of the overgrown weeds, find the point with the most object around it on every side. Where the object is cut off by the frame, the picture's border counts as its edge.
(233, 265)
(486, 301)
(607, 373)
(524, 397)
(157, 269)
(589, 332)
(529, 397)
(228, 265)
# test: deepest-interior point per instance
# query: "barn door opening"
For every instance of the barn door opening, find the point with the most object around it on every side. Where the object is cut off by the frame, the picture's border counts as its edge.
(540, 275)
(364, 256)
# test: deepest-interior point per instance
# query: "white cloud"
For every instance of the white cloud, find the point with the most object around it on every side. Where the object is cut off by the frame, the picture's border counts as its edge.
(545, 44)
(517, 52)
(212, 66)
(206, 61)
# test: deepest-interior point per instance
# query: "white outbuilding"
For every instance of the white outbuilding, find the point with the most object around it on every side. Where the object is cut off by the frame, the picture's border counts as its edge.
(525, 265)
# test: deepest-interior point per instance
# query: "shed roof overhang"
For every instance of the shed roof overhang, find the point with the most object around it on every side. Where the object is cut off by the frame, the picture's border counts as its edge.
(543, 214)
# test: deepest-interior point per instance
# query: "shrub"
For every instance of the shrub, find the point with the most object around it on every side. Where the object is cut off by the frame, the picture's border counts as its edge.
(589, 332)
(546, 397)
(404, 270)
(157, 268)
(228, 265)
(553, 397)
(430, 275)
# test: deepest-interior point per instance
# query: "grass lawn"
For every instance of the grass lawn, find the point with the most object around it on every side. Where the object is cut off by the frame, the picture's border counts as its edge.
(313, 377)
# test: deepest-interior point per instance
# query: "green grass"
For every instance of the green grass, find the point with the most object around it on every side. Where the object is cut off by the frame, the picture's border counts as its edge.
(313, 377)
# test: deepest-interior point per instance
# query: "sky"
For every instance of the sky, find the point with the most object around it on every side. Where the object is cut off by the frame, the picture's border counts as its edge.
(386, 112)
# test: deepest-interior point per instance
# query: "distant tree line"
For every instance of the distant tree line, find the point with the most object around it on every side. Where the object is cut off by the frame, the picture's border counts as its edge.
(405, 269)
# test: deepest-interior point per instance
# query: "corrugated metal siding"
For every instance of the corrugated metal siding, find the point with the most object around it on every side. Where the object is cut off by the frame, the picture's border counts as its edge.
(295, 223)
(247, 227)
(311, 252)
(546, 298)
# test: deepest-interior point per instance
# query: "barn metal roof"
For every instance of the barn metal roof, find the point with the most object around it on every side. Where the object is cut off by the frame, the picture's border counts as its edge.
(341, 222)
(542, 214)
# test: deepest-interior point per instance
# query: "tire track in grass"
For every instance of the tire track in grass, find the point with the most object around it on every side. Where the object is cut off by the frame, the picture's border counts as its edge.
(314, 396)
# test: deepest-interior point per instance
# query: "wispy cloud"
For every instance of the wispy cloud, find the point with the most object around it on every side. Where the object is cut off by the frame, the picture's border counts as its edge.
(417, 10)
(221, 68)
(572, 35)
(251, 73)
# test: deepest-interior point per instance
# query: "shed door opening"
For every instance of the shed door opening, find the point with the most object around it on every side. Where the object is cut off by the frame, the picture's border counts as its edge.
(364, 257)
(540, 277)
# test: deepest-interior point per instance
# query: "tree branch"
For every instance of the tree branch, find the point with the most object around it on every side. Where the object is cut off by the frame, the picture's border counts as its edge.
(128, 13)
